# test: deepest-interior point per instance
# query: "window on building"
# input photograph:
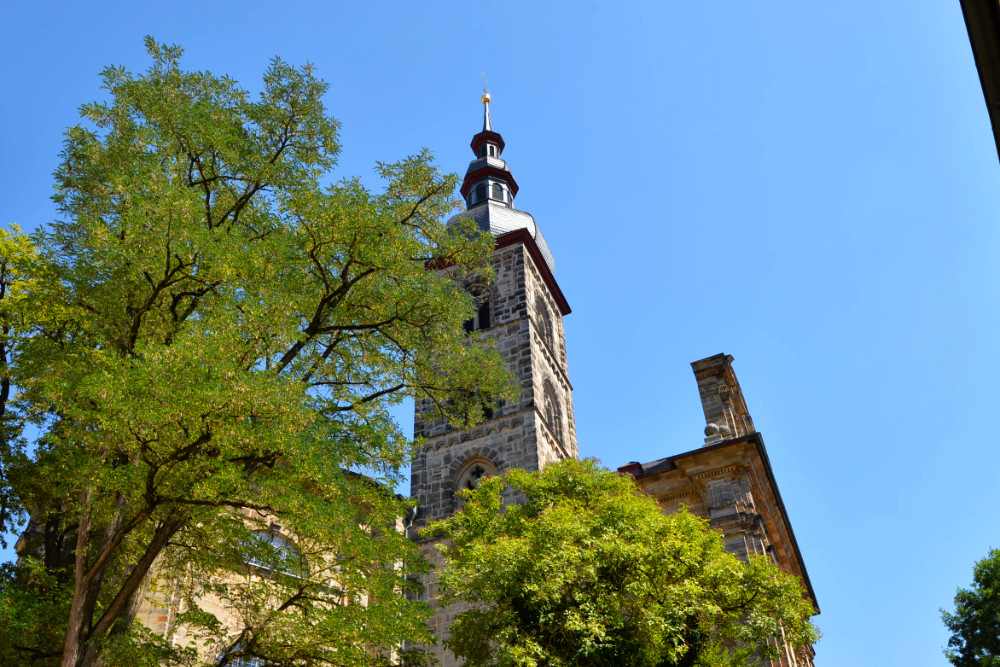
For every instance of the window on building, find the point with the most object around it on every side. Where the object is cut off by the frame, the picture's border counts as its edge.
(482, 317)
(545, 326)
(270, 551)
(497, 192)
(480, 192)
(493, 150)
(233, 657)
(474, 470)
(551, 411)
(248, 661)
(481, 152)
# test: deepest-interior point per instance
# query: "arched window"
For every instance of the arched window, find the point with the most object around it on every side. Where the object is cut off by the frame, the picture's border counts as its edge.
(544, 317)
(493, 150)
(550, 408)
(272, 552)
(497, 192)
(482, 318)
(474, 470)
(480, 192)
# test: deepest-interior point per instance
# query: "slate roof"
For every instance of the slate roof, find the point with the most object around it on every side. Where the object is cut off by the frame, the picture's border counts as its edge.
(498, 219)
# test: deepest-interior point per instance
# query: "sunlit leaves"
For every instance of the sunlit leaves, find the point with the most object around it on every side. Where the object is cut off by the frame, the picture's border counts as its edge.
(588, 571)
(215, 336)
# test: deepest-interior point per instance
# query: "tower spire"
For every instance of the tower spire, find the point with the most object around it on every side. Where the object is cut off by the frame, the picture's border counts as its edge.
(488, 177)
(487, 127)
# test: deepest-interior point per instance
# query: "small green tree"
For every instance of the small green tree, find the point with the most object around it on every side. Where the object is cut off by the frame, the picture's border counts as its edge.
(975, 624)
(207, 342)
(589, 571)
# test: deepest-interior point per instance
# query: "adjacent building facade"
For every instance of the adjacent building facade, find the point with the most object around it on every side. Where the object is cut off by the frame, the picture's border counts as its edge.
(728, 479)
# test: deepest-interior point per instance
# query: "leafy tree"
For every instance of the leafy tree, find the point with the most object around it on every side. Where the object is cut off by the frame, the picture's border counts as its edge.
(975, 625)
(206, 343)
(589, 571)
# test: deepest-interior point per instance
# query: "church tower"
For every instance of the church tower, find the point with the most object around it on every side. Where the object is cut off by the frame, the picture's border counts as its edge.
(522, 312)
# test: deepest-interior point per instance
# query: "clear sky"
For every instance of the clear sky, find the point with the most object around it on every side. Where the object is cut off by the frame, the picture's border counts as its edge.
(811, 187)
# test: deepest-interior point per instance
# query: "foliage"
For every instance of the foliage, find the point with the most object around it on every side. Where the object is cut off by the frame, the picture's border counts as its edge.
(975, 625)
(207, 342)
(589, 571)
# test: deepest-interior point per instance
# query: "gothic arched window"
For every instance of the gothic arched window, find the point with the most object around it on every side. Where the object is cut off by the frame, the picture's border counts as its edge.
(545, 325)
(551, 411)
(474, 470)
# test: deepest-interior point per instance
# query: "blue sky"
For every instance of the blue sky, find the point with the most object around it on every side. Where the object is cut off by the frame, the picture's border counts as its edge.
(810, 187)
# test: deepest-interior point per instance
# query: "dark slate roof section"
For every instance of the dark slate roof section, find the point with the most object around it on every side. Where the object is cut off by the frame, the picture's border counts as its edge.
(982, 21)
(498, 219)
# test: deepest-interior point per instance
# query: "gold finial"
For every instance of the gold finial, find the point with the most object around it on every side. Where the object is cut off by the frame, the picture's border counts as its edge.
(486, 98)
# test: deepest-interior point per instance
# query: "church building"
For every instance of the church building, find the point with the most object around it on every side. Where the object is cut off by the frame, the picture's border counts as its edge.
(727, 479)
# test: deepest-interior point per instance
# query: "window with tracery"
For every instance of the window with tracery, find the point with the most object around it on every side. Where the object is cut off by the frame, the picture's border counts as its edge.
(473, 472)
(551, 411)
(545, 325)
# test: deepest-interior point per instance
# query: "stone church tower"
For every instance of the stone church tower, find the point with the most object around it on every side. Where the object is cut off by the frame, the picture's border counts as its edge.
(522, 312)
(728, 479)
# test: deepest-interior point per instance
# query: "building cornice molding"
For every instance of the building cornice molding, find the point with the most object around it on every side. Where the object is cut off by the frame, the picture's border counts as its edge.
(524, 236)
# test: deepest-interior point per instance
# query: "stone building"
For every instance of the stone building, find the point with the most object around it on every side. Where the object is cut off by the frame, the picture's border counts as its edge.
(728, 479)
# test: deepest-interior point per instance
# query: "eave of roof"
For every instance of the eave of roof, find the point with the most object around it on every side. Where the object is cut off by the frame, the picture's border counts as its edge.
(982, 21)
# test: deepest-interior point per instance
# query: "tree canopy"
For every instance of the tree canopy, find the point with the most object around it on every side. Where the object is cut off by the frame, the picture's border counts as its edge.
(587, 570)
(975, 624)
(205, 346)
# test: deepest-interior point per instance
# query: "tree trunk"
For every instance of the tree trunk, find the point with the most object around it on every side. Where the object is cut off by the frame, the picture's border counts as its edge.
(79, 622)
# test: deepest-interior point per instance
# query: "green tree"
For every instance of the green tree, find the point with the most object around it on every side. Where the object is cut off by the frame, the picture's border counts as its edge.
(207, 343)
(975, 625)
(587, 570)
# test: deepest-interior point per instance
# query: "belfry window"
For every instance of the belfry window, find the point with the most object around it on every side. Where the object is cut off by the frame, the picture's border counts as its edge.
(497, 192)
(493, 150)
(545, 326)
(481, 319)
(480, 192)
